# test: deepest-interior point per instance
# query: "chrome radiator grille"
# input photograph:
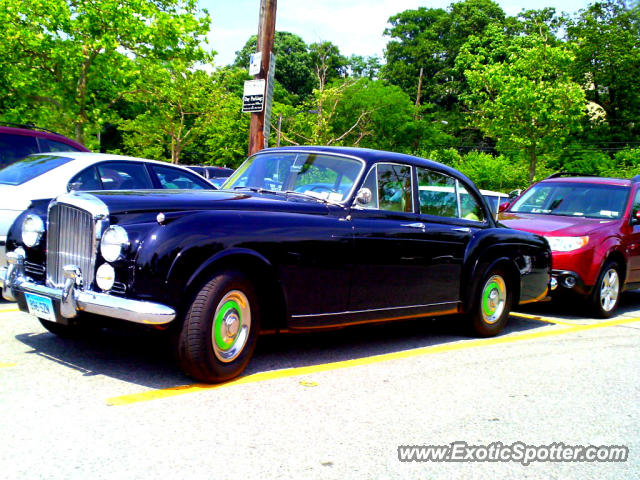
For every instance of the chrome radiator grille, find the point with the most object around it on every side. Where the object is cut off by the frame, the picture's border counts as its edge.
(69, 242)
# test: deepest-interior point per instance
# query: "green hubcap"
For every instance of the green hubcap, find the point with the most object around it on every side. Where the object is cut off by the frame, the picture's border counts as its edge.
(231, 325)
(494, 297)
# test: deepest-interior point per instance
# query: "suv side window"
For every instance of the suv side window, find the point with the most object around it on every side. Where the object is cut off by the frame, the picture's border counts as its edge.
(390, 185)
(124, 176)
(14, 147)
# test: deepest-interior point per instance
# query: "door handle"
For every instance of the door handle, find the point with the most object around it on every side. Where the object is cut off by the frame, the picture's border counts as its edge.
(418, 225)
(462, 229)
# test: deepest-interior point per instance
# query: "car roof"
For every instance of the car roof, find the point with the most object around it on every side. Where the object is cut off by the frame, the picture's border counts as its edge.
(41, 133)
(371, 156)
(625, 182)
(90, 158)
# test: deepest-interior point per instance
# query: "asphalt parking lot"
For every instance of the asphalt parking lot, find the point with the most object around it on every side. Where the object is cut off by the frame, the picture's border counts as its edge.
(329, 405)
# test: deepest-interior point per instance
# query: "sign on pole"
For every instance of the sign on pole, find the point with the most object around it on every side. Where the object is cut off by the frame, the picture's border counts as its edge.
(253, 96)
(266, 127)
(255, 63)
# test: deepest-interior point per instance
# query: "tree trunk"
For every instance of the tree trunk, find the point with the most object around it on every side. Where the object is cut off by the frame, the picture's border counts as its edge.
(533, 160)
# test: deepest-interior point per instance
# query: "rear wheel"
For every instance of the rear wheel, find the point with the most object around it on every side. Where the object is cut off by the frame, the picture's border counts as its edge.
(491, 308)
(606, 293)
(220, 329)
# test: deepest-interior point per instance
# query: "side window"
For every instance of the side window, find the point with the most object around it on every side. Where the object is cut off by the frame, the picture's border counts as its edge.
(437, 194)
(174, 178)
(469, 207)
(85, 180)
(47, 145)
(124, 176)
(636, 203)
(443, 196)
(390, 186)
(394, 187)
(15, 147)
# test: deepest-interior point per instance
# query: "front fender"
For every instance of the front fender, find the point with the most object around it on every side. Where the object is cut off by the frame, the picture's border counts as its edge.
(526, 257)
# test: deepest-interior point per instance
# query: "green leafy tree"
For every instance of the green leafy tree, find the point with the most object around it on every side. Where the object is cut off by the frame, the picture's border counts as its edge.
(75, 60)
(607, 64)
(429, 40)
(527, 101)
(180, 105)
(293, 63)
(327, 63)
(361, 66)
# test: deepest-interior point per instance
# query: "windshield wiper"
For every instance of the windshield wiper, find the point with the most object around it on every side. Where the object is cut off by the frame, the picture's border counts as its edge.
(257, 190)
(307, 195)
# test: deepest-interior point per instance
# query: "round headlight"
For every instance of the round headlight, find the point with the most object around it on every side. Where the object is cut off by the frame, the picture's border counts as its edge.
(32, 230)
(114, 241)
(105, 276)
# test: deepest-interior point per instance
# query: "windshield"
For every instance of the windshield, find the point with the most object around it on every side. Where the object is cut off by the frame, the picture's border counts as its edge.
(574, 199)
(327, 177)
(29, 168)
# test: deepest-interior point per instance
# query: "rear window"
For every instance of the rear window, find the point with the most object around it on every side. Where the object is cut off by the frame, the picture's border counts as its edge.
(14, 147)
(29, 168)
(48, 145)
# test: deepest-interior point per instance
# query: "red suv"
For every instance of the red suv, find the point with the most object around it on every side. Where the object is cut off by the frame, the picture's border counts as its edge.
(593, 227)
(18, 141)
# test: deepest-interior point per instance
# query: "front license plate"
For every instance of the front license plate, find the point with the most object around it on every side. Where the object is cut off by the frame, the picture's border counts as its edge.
(41, 307)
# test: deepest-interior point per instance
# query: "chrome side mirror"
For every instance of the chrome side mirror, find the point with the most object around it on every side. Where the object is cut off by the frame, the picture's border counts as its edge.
(364, 196)
(74, 187)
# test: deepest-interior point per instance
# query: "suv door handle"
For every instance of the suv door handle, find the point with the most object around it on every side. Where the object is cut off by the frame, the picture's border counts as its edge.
(418, 225)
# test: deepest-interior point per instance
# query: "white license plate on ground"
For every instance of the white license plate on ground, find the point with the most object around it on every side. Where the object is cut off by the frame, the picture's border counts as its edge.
(41, 307)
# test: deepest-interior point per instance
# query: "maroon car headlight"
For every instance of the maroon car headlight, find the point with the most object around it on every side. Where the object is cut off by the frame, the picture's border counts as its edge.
(566, 244)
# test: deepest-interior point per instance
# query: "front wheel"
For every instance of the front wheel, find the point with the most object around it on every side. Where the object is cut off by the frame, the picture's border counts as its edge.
(220, 329)
(491, 308)
(606, 293)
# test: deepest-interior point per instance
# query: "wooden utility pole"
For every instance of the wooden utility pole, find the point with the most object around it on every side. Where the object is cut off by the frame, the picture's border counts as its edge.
(266, 33)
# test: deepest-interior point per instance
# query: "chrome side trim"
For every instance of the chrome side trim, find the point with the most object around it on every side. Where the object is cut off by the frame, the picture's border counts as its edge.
(348, 312)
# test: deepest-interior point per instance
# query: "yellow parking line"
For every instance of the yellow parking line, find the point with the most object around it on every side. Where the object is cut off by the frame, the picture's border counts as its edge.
(543, 319)
(5, 365)
(294, 372)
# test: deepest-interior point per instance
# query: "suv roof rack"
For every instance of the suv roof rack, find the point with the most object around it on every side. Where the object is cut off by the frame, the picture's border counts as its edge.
(27, 126)
(571, 174)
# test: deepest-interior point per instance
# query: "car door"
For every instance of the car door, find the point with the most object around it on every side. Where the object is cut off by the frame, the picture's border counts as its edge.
(633, 242)
(393, 252)
(451, 214)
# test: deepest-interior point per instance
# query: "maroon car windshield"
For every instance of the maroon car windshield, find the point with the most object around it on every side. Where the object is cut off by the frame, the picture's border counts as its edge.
(587, 200)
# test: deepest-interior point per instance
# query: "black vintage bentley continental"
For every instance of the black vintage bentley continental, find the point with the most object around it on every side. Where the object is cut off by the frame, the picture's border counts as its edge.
(298, 239)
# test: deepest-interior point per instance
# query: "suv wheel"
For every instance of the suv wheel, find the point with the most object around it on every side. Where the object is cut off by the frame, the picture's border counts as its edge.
(607, 290)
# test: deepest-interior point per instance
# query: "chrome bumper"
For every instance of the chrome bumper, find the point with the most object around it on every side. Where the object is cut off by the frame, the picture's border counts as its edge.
(74, 299)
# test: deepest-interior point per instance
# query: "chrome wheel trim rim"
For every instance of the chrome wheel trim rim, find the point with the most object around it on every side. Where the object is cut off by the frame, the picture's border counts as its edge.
(494, 299)
(609, 290)
(231, 326)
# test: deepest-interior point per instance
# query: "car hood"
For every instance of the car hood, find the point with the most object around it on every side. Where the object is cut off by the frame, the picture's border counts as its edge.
(553, 225)
(125, 202)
